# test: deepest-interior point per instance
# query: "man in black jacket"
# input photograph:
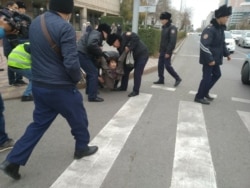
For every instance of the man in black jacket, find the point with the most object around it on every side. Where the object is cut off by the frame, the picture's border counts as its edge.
(212, 50)
(167, 45)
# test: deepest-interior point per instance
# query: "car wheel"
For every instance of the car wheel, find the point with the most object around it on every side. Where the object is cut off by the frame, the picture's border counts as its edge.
(245, 73)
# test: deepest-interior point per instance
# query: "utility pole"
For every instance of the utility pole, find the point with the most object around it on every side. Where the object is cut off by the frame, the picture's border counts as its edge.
(135, 16)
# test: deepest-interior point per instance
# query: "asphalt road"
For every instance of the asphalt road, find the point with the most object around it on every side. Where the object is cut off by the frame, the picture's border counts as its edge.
(159, 139)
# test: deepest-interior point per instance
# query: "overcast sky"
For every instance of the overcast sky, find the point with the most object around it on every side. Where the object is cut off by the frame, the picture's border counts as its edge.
(200, 9)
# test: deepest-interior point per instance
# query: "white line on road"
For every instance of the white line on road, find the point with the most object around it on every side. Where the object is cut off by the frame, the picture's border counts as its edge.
(240, 100)
(245, 117)
(210, 94)
(193, 166)
(91, 171)
(163, 87)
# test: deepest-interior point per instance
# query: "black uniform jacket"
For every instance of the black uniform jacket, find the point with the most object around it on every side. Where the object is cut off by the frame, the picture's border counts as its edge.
(168, 38)
(212, 44)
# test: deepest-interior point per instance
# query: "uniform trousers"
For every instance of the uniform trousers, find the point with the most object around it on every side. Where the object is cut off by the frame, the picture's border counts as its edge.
(138, 71)
(91, 75)
(48, 104)
(211, 75)
(166, 62)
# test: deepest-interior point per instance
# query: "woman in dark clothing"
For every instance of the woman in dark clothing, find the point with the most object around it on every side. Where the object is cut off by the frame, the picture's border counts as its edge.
(130, 41)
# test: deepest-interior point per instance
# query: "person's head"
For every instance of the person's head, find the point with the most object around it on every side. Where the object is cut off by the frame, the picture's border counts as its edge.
(11, 5)
(104, 29)
(222, 14)
(63, 7)
(114, 40)
(112, 63)
(21, 7)
(165, 17)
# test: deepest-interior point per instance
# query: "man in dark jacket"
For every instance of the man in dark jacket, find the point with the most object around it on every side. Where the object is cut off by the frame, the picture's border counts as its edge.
(167, 46)
(54, 87)
(130, 42)
(212, 50)
(90, 52)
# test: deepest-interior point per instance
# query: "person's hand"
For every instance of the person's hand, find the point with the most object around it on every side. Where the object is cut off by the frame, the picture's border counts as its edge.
(167, 56)
(228, 58)
(211, 63)
(126, 49)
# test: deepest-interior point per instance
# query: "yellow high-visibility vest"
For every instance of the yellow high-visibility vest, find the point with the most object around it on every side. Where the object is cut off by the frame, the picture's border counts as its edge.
(19, 58)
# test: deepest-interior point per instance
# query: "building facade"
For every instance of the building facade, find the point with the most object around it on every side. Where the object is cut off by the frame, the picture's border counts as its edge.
(84, 10)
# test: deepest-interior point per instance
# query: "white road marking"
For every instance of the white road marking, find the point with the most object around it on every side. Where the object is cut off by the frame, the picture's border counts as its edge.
(245, 117)
(193, 166)
(240, 100)
(163, 87)
(195, 92)
(91, 171)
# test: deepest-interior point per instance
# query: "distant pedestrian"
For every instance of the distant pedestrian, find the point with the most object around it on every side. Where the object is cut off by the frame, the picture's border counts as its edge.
(55, 75)
(113, 28)
(167, 46)
(130, 42)
(212, 50)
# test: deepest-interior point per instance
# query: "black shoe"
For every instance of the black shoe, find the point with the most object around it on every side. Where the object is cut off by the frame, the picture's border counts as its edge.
(133, 93)
(209, 98)
(202, 101)
(27, 98)
(20, 82)
(11, 169)
(159, 82)
(177, 82)
(97, 99)
(82, 153)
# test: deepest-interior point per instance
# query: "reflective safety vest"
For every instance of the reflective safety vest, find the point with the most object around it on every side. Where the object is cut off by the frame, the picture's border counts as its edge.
(19, 58)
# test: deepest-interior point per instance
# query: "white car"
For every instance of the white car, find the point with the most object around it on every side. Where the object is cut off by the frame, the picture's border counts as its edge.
(244, 41)
(236, 35)
(230, 42)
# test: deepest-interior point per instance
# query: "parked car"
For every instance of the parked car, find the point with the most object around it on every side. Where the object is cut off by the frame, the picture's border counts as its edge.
(244, 41)
(230, 42)
(236, 35)
(245, 71)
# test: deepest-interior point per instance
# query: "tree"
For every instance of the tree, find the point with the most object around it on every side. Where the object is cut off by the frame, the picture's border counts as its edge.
(126, 10)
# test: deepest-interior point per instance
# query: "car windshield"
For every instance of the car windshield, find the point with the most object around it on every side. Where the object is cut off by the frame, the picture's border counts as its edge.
(228, 35)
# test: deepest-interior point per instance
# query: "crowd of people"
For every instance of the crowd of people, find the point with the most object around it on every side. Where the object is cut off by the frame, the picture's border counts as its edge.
(56, 66)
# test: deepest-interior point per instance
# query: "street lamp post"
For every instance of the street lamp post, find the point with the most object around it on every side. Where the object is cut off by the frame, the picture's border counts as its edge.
(135, 16)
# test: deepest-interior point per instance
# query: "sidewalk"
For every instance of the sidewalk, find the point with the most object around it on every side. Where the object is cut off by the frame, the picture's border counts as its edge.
(13, 92)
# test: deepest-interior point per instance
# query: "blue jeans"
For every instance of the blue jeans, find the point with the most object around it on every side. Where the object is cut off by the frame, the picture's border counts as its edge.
(3, 134)
(48, 104)
(27, 74)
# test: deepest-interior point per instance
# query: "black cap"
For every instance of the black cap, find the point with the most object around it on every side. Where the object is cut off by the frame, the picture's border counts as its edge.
(104, 27)
(63, 6)
(112, 38)
(21, 4)
(223, 11)
(165, 16)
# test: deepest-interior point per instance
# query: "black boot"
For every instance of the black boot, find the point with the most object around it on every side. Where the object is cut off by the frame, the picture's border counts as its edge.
(11, 169)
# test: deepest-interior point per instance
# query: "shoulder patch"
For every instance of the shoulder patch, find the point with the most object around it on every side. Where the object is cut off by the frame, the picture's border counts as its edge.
(128, 33)
(205, 36)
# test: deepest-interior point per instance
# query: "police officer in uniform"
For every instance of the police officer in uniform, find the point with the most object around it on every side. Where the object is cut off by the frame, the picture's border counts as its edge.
(212, 50)
(167, 45)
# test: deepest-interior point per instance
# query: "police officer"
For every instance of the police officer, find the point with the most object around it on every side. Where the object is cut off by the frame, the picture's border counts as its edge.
(19, 61)
(212, 50)
(167, 45)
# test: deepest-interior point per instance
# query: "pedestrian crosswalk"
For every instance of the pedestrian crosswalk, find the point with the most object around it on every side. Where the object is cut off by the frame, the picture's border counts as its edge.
(192, 162)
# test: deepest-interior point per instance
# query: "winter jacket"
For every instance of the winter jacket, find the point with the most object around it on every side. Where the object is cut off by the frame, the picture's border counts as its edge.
(212, 44)
(48, 68)
(133, 42)
(168, 38)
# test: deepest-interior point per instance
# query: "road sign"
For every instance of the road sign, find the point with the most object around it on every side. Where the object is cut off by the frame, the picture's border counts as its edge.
(147, 8)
